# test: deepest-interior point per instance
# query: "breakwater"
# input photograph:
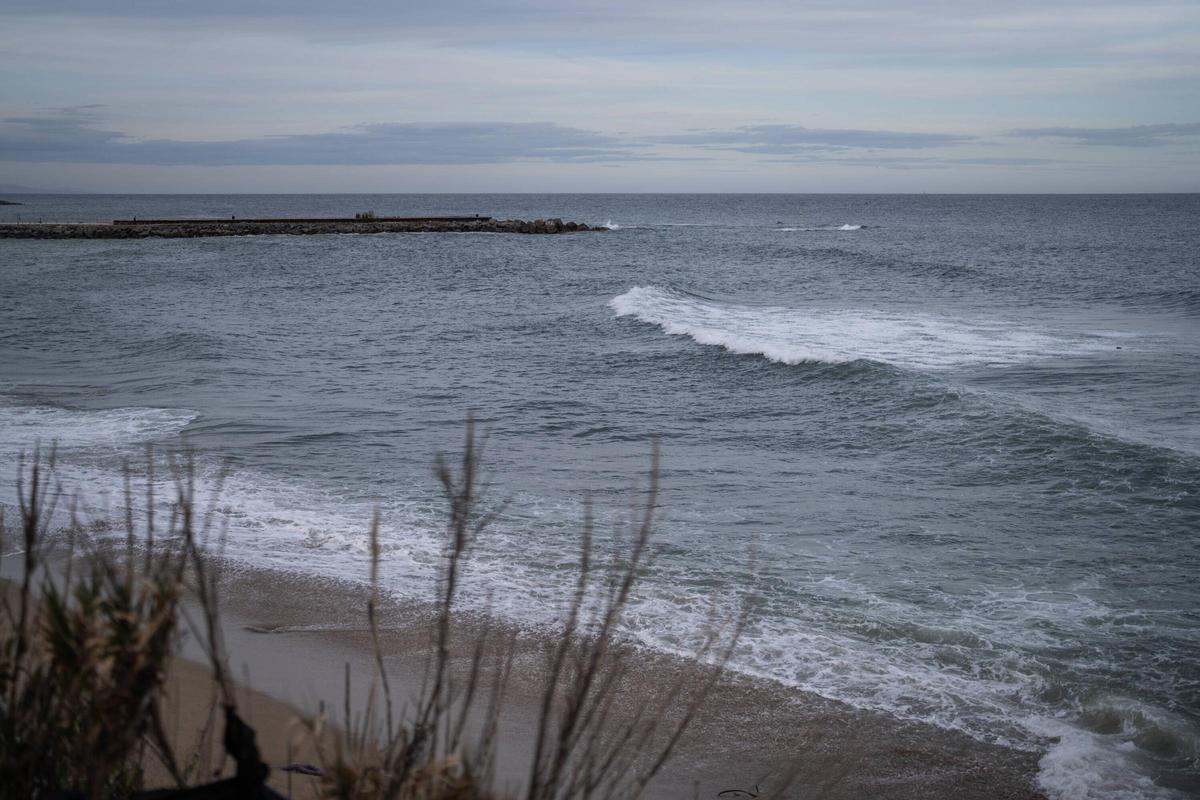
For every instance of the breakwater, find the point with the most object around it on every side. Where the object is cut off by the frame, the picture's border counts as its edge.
(184, 228)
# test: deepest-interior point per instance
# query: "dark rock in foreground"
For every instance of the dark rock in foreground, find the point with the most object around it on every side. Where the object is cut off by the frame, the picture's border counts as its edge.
(9, 203)
(184, 229)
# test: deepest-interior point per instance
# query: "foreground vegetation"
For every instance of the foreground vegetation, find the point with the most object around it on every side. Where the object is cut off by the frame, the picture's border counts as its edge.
(87, 639)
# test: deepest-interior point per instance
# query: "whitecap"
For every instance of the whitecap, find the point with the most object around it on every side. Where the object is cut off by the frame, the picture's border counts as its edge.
(21, 426)
(913, 340)
(846, 227)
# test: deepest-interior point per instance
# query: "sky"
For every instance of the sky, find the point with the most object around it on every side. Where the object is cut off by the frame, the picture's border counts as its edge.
(624, 96)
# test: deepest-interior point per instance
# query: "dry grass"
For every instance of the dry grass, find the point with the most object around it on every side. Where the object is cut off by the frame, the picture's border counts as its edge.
(84, 657)
(583, 748)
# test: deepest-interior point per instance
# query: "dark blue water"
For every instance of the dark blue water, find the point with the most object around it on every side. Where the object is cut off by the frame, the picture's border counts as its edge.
(960, 435)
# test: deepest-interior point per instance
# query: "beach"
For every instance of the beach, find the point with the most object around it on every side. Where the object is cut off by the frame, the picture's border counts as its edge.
(289, 639)
(299, 649)
(291, 653)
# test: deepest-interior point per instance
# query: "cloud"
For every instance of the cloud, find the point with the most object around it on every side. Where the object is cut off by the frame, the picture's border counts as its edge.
(59, 128)
(798, 140)
(1133, 136)
(80, 135)
(76, 134)
(919, 162)
(927, 29)
(73, 135)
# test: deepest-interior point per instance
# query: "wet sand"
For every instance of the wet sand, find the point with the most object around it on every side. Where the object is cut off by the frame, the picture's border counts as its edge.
(192, 707)
(290, 640)
(292, 637)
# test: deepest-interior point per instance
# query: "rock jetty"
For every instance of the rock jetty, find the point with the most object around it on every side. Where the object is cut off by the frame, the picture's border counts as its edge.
(185, 229)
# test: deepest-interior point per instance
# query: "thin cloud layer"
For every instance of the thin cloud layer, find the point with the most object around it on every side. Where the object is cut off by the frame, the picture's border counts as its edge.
(1133, 136)
(77, 135)
(1092, 31)
(789, 139)
(71, 135)
(930, 162)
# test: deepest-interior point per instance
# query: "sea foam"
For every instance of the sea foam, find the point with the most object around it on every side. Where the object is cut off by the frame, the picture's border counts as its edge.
(847, 227)
(288, 524)
(22, 426)
(797, 335)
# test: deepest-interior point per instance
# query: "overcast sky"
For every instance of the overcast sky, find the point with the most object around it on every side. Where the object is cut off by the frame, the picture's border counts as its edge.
(791, 96)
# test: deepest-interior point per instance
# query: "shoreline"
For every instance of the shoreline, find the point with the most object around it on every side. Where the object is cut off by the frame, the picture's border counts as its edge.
(188, 229)
(291, 637)
(292, 640)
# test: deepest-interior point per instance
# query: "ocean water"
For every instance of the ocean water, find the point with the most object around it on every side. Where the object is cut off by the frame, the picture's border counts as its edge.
(948, 446)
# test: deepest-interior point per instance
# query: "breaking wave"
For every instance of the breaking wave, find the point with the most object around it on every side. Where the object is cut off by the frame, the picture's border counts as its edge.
(822, 335)
(112, 429)
(825, 228)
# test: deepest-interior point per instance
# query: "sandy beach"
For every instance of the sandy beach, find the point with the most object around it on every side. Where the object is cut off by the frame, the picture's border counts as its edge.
(290, 640)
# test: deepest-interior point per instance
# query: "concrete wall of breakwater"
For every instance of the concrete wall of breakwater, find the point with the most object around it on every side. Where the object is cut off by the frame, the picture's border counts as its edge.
(184, 229)
(318, 220)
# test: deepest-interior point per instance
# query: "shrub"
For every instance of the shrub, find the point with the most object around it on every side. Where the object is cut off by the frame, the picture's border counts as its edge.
(84, 655)
(579, 750)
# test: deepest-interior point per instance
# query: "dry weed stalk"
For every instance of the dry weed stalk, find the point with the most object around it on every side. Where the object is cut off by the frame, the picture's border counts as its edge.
(84, 655)
(585, 745)
(83, 658)
(85, 642)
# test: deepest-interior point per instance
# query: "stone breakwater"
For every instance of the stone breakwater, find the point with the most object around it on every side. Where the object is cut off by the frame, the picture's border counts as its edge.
(185, 229)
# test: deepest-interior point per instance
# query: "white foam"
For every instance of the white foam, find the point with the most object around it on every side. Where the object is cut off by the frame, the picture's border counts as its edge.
(23, 426)
(993, 694)
(288, 524)
(612, 226)
(1081, 765)
(797, 335)
(846, 227)
(293, 526)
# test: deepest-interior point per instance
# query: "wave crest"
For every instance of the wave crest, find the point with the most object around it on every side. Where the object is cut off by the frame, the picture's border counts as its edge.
(22, 426)
(846, 227)
(832, 336)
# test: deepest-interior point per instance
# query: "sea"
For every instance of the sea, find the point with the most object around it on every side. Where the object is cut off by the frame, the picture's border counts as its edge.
(947, 448)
